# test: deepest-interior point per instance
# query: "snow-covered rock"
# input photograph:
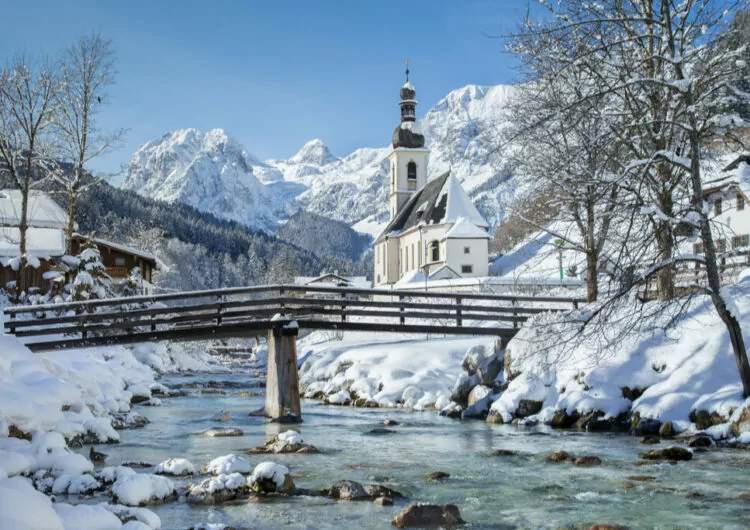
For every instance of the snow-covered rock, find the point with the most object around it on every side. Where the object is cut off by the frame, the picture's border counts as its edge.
(142, 489)
(228, 464)
(220, 488)
(268, 477)
(21, 506)
(86, 516)
(175, 467)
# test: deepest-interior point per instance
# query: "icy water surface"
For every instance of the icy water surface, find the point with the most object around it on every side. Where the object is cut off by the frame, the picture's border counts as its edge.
(521, 491)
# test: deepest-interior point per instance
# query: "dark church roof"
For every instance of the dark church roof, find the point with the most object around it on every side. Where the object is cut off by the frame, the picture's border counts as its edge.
(405, 137)
(421, 208)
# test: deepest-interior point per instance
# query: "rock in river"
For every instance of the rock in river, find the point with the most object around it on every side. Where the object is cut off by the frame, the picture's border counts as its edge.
(669, 453)
(219, 432)
(587, 461)
(420, 514)
(559, 456)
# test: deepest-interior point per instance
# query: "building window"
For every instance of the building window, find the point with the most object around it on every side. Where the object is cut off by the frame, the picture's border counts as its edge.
(698, 248)
(740, 202)
(419, 253)
(721, 245)
(467, 250)
(467, 269)
(406, 258)
(435, 250)
(412, 255)
(411, 170)
(120, 262)
(717, 207)
(393, 176)
(741, 241)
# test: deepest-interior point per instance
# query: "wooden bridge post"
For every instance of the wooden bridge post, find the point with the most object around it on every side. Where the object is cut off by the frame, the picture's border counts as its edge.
(282, 381)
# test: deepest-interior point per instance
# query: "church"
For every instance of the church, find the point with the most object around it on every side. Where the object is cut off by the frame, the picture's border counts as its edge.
(435, 232)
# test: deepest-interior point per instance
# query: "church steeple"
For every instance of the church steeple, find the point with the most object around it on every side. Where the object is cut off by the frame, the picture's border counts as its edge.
(409, 157)
(408, 102)
(406, 135)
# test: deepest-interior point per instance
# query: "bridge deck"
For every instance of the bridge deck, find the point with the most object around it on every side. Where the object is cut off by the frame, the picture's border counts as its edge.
(249, 311)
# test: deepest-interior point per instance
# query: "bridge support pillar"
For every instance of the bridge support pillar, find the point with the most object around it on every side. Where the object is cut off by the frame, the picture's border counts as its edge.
(282, 381)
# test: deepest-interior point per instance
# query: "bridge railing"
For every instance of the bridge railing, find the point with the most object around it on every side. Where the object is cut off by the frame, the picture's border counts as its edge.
(246, 310)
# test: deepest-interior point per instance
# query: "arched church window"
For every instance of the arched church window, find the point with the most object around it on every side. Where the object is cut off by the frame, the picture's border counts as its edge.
(411, 176)
(435, 250)
(393, 175)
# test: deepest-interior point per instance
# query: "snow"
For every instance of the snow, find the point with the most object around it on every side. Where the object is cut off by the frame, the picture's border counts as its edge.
(459, 204)
(290, 437)
(41, 243)
(138, 489)
(232, 481)
(389, 370)
(228, 464)
(21, 506)
(43, 211)
(465, 229)
(269, 471)
(111, 474)
(75, 484)
(85, 516)
(141, 515)
(690, 367)
(175, 466)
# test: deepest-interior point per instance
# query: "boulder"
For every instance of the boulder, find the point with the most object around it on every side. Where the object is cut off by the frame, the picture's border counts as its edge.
(474, 358)
(700, 440)
(644, 426)
(494, 417)
(381, 430)
(462, 388)
(651, 440)
(421, 514)
(559, 456)
(504, 452)
(268, 477)
(480, 400)
(668, 453)
(215, 490)
(528, 407)
(608, 527)
(742, 424)
(563, 420)
(383, 501)
(631, 393)
(452, 411)
(490, 368)
(437, 475)
(587, 461)
(217, 432)
(667, 430)
(703, 419)
(347, 490)
(594, 422)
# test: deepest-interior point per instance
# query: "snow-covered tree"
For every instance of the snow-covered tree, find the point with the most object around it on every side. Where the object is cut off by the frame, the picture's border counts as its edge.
(133, 284)
(90, 278)
(669, 73)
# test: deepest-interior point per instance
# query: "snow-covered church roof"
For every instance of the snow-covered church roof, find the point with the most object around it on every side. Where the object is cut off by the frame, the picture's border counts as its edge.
(442, 200)
(43, 212)
(465, 229)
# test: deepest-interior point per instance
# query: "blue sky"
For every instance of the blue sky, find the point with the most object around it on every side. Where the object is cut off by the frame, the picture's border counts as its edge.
(273, 74)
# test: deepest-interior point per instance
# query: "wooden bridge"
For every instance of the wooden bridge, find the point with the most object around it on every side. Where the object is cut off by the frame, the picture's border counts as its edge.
(279, 310)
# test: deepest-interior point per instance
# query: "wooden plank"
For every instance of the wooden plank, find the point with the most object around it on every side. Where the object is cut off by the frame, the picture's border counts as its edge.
(282, 381)
(342, 292)
(251, 328)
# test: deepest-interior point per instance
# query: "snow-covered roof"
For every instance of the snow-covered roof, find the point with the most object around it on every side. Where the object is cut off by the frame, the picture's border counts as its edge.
(122, 248)
(465, 229)
(41, 243)
(736, 173)
(334, 280)
(409, 86)
(441, 200)
(43, 212)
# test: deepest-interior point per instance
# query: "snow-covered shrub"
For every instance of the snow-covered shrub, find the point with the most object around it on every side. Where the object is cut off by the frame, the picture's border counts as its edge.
(90, 278)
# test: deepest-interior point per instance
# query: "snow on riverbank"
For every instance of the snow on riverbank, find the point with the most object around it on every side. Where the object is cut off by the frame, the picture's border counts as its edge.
(385, 369)
(664, 376)
(56, 397)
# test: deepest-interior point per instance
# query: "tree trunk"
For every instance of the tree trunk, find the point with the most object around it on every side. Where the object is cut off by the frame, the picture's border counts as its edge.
(712, 270)
(592, 282)
(23, 222)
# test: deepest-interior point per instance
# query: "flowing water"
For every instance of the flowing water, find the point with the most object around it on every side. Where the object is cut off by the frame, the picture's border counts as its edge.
(523, 491)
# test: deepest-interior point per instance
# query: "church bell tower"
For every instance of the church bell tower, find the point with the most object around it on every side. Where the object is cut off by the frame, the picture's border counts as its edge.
(409, 158)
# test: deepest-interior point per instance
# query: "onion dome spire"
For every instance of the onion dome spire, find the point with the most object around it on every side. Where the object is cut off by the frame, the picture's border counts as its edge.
(406, 134)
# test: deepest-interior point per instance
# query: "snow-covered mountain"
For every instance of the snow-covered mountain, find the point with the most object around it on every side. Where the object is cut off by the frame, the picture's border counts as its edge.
(211, 172)
(216, 174)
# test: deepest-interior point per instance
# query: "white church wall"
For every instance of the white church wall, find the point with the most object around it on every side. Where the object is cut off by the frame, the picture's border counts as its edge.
(472, 253)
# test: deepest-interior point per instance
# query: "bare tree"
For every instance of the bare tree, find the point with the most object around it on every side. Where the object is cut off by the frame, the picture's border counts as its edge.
(88, 69)
(671, 84)
(27, 107)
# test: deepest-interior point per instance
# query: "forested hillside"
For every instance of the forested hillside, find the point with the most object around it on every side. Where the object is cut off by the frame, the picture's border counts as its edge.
(323, 236)
(199, 250)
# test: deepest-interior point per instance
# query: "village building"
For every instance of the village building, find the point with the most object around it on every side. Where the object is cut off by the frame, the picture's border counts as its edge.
(435, 232)
(46, 246)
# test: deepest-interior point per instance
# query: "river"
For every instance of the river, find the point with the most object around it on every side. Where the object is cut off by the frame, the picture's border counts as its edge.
(523, 491)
